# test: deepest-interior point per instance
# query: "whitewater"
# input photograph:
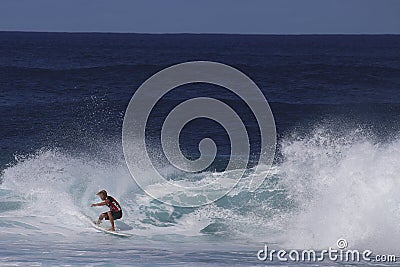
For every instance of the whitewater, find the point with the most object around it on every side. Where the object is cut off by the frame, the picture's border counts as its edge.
(323, 188)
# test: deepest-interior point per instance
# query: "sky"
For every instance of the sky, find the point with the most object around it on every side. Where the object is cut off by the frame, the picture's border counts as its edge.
(203, 16)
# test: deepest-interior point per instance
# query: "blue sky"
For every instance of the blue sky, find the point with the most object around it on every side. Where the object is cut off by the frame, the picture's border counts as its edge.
(206, 16)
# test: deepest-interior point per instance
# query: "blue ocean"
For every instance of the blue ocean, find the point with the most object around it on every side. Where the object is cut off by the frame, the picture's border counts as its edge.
(335, 174)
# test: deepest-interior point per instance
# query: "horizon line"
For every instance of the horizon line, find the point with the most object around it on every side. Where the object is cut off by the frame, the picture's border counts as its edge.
(185, 33)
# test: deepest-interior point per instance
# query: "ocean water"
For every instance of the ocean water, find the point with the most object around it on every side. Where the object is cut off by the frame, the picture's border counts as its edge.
(336, 104)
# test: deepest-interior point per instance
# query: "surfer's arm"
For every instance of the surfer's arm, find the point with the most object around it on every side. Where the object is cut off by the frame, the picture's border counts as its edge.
(98, 204)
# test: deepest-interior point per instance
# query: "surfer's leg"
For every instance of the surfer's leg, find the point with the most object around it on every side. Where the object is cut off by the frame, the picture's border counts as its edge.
(111, 218)
(101, 217)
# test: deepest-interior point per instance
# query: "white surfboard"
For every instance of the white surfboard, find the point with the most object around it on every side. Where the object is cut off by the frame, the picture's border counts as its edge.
(98, 227)
(117, 233)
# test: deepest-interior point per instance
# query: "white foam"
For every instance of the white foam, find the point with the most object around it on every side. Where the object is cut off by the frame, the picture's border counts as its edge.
(326, 188)
(346, 187)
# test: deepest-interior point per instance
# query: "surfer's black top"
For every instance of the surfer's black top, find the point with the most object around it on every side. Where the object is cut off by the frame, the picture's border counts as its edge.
(113, 204)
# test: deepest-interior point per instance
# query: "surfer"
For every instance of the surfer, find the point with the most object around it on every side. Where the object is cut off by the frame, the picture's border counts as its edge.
(115, 212)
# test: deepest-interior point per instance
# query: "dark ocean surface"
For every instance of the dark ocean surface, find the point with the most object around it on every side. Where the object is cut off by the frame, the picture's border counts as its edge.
(336, 104)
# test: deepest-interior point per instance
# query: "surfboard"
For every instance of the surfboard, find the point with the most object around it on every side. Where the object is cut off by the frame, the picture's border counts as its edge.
(116, 233)
(98, 227)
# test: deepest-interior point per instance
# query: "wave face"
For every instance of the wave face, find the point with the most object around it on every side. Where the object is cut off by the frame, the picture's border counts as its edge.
(325, 186)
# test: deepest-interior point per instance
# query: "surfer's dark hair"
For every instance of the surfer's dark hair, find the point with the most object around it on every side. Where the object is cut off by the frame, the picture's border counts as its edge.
(102, 192)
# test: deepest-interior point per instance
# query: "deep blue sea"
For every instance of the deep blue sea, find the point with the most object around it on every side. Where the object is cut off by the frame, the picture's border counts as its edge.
(336, 171)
